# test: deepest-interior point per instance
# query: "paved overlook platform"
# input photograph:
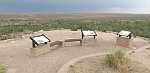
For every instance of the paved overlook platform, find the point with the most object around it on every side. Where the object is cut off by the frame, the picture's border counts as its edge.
(15, 53)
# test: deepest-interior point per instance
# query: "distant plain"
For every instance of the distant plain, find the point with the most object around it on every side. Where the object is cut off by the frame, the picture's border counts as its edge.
(16, 25)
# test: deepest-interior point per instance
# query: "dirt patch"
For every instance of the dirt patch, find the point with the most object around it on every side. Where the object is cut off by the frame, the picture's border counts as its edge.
(142, 55)
(97, 65)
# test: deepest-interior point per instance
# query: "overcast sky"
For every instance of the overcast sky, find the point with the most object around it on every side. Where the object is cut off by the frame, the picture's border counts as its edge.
(117, 6)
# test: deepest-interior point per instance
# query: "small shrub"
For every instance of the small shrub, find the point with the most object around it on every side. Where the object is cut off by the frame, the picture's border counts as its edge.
(117, 60)
(74, 28)
(109, 59)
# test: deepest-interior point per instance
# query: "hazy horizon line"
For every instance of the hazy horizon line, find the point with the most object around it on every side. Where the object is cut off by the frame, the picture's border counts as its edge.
(71, 12)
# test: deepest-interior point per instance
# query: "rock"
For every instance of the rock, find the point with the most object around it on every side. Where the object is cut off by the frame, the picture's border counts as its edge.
(148, 48)
(134, 48)
(133, 51)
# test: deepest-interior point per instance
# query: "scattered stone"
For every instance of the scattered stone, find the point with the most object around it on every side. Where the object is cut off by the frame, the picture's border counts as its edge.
(130, 53)
(148, 48)
(134, 48)
(133, 51)
(71, 66)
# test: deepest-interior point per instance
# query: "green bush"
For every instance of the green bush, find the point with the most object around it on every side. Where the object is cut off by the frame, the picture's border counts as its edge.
(139, 28)
(109, 60)
(117, 60)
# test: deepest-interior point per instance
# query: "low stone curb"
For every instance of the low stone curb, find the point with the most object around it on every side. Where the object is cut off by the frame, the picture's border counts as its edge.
(65, 67)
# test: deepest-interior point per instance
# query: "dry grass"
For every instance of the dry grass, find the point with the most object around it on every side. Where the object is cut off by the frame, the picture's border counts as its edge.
(118, 61)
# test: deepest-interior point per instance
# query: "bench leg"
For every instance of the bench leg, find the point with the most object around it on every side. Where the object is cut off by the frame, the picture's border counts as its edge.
(82, 36)
(119, 35)
(33, 44)
(94, 37)
(129, 36)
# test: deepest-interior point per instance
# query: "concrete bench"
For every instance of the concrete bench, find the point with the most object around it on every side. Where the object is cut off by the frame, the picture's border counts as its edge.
(58, 43)
(74, 40)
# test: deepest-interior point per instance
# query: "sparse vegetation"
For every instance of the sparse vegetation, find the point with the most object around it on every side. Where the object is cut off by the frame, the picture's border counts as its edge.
(13, 25)
(117, 61)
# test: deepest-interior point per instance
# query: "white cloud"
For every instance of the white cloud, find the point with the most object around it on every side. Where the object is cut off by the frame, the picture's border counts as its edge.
(128, 10)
